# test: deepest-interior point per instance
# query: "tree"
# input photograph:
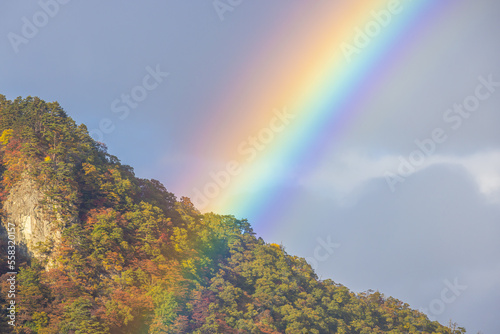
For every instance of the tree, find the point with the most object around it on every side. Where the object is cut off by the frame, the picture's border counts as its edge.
(79, 318)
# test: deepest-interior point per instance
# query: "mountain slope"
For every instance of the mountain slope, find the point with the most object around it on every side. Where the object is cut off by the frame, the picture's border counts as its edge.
(102, 251)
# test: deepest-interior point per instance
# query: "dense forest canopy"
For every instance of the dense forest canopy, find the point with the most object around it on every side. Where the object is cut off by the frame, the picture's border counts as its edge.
(132, 258)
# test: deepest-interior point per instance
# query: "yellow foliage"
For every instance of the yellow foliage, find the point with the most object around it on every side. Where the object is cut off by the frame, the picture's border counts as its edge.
(47, 159)
(276, 245)
(6, 135)
(88, 168)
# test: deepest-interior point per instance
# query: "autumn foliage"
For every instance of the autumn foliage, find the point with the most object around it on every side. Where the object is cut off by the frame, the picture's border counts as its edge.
(135, 259)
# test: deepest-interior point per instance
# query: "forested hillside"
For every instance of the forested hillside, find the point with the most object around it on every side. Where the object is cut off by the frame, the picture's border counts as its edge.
(121, 254)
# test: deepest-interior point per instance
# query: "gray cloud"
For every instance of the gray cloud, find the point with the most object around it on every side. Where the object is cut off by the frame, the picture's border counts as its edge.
(440, 224)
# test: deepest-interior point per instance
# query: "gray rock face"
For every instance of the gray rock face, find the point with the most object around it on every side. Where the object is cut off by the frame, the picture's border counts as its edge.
(34, 225)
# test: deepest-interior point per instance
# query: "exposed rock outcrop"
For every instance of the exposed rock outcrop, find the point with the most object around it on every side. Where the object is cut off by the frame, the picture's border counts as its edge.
(37, 231)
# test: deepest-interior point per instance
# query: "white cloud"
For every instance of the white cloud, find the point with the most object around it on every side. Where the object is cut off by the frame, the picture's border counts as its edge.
(485, 168)
(344, 177)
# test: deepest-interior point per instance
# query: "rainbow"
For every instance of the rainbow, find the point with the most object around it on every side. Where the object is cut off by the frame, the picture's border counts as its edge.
(346, 53)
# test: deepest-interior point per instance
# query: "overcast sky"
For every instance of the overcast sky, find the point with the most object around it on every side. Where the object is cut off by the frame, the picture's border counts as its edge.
(406, 202)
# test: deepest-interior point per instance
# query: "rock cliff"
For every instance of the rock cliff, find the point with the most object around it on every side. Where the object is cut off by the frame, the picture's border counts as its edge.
(37, 232)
